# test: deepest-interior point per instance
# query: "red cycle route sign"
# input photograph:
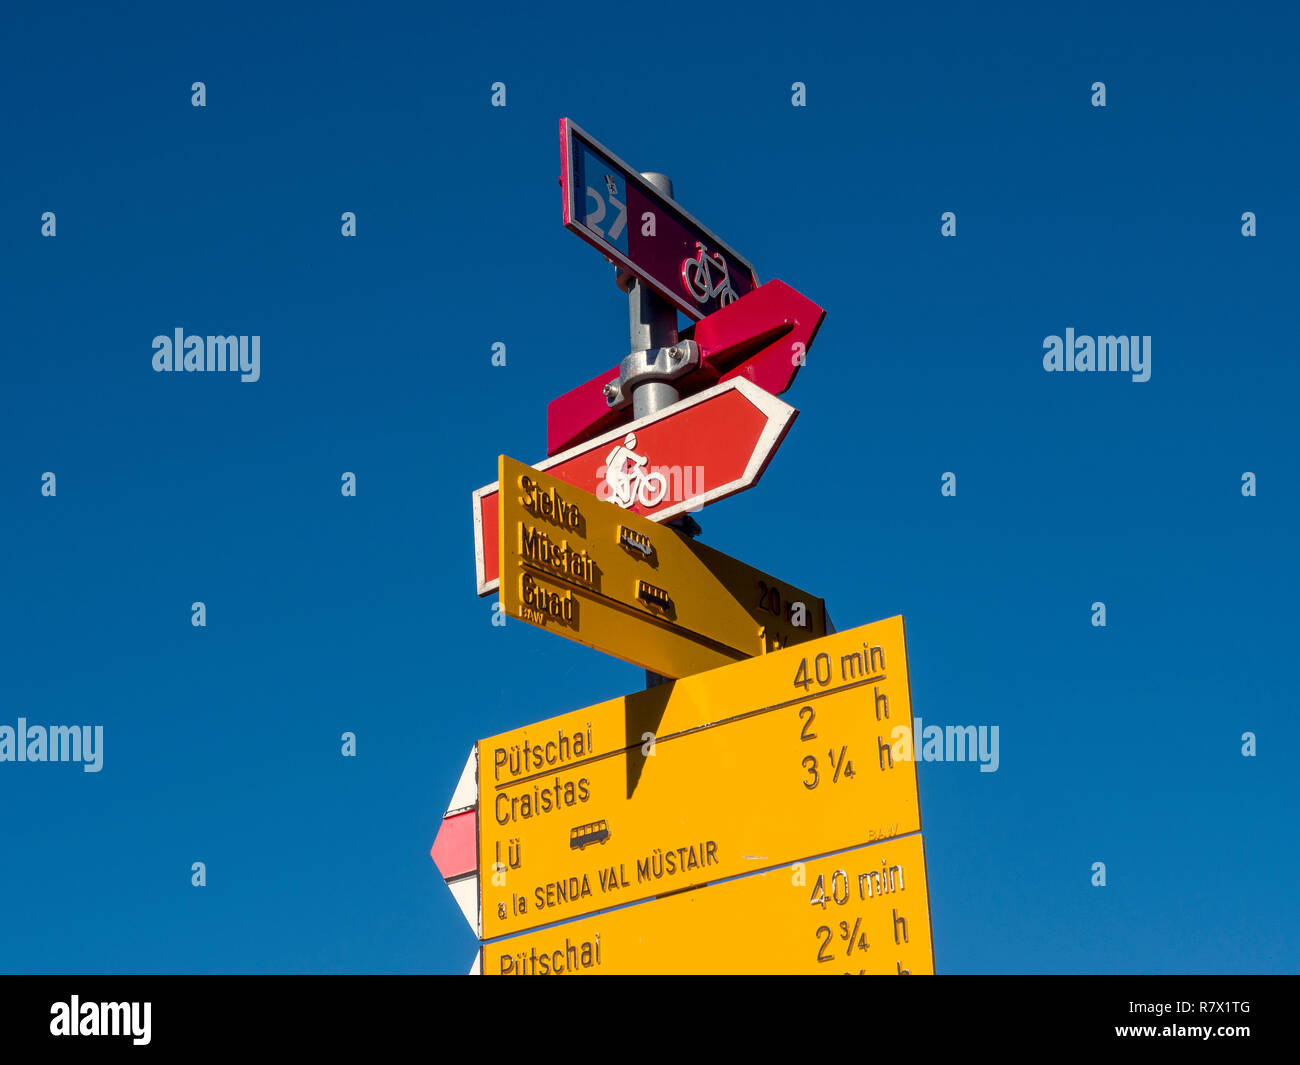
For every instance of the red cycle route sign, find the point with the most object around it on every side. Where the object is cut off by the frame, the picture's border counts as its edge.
(704, 448)
(610, 206)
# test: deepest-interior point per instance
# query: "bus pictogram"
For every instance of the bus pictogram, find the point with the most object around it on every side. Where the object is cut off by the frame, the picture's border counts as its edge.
(596, 832)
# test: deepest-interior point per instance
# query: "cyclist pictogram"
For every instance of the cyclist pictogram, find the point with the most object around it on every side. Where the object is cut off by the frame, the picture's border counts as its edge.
(634, 483)
(698, 277)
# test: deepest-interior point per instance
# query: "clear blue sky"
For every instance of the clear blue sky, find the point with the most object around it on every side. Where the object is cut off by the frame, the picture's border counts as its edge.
(1119, 744)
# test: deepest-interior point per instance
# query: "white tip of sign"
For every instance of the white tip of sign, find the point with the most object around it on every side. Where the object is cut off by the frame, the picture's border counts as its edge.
(474, 969)
(465, 892)
(466, 793)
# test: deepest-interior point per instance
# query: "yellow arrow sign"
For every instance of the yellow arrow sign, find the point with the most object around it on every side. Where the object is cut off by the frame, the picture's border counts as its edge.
(628, 586)
(865, 911)
(768, 761)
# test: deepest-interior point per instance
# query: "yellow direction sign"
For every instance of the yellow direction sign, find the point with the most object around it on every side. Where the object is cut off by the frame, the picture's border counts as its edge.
(863, 911)
(769, 761)
(628, 586)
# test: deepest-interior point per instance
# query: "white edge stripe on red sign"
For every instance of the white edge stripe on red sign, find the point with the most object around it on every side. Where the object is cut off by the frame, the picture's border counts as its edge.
(779, 416)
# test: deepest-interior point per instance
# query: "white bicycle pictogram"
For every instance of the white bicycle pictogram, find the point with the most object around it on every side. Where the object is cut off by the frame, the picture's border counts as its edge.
(697, 276)
(635, 485)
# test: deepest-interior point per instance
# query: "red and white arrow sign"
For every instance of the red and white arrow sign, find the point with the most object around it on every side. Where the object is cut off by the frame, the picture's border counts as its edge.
(455, 847)
(762, 337)
(704, 448)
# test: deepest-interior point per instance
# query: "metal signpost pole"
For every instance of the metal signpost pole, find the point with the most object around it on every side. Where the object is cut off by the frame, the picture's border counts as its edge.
(652, 324)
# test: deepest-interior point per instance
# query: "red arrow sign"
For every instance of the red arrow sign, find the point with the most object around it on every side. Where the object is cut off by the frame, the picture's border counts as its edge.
(762, 337)
(707, 447)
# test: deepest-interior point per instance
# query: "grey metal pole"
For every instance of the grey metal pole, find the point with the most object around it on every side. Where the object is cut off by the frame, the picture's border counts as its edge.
(652, 322)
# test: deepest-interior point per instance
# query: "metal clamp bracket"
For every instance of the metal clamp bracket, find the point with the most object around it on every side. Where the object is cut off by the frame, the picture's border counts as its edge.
(657, 364)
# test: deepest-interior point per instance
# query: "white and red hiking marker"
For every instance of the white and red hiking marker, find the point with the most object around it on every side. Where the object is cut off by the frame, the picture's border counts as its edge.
(708, 446)
(455, 847)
